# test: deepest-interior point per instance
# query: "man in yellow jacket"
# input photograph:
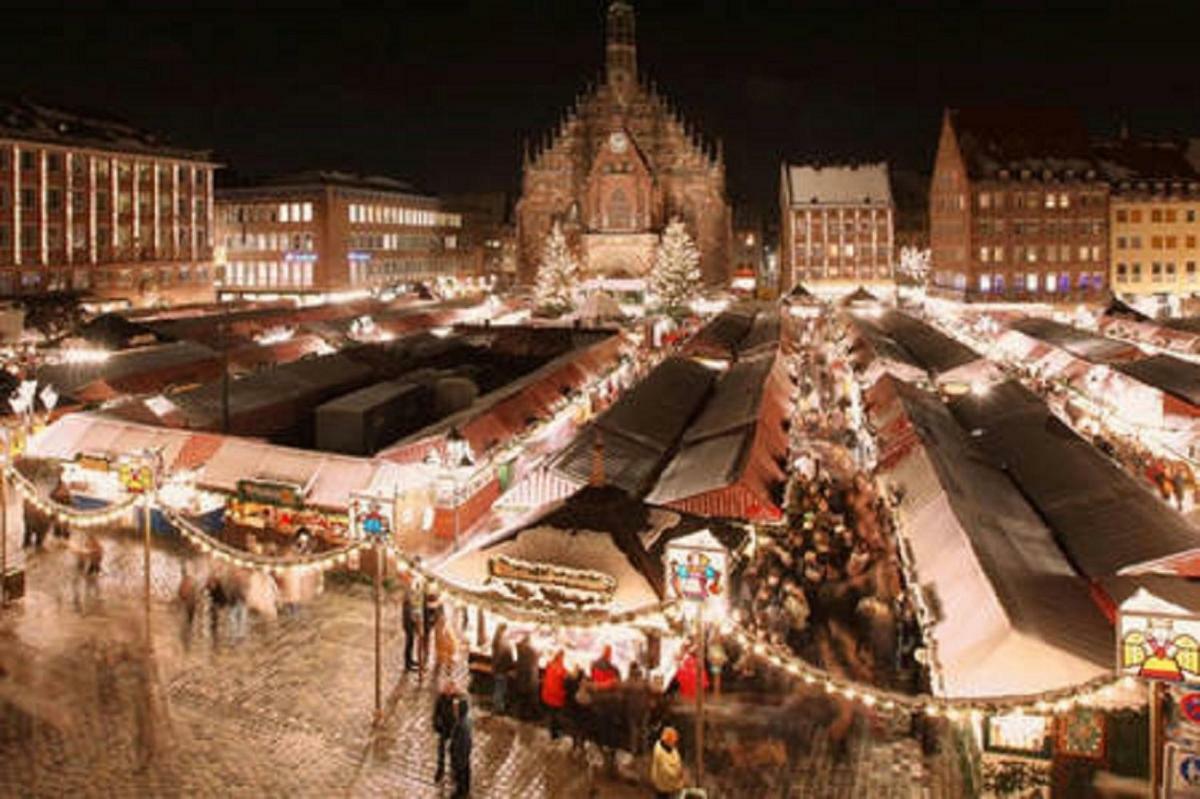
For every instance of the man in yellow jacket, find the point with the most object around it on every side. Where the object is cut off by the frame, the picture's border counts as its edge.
(666, 770)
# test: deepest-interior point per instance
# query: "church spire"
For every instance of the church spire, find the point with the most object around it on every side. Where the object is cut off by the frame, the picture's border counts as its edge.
(621, 50)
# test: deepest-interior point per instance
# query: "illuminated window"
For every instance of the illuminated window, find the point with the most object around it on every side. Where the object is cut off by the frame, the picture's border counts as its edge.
(1031, 281)
(307, 212)
(1051, 281)
(985, 282)
(1051, 201)
(1063, 201)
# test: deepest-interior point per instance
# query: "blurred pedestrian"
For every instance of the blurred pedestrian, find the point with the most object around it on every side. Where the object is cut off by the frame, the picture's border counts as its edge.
(189, 598)
(445, 717)
(666, 769)
(554, 692)
(503, 665)
(410, 616)
(527, 677)
(460, 749)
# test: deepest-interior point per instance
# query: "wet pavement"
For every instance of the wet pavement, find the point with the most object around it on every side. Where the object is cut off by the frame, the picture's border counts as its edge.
(286, 709)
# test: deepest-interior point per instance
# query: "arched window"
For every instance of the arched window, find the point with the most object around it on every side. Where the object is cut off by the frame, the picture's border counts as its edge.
(619, 213)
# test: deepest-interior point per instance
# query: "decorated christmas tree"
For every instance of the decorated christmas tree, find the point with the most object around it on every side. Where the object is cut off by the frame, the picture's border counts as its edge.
(558, 275)
(675, 278)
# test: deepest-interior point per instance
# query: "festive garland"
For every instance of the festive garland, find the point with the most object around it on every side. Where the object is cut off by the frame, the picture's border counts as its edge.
(67, 513)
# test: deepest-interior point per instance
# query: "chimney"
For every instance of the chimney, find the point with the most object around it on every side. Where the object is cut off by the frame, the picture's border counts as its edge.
(597, 479)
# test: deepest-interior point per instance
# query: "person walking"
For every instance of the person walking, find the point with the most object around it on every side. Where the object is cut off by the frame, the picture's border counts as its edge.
(503, 663)
(666, 768)
(189, 597)
(411, 618)
(445, 717)
(604, 674)
(430, 613)
(554, 692)
(527, 677)
(460, 749)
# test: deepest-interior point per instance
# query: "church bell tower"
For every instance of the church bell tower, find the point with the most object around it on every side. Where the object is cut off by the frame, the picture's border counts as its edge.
(621, 51)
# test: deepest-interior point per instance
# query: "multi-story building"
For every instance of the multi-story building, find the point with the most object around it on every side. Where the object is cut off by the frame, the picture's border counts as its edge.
(747, 250)
(101, 208)
(1154, 221)
(321, 232)
(836, 227)
(1018, 208)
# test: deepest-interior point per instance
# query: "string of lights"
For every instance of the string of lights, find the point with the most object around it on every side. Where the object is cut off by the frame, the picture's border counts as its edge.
(248, 560)
(79, 517)
(1057, 701)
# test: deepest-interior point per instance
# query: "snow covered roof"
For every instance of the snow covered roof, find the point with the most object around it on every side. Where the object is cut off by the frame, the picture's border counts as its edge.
(859, 184)
(1158, 163)
(1090, 347)
(25, 120)
(316, 177)
(642, 427)
(1106, 522)
(1014, 616)
(1039, 141)
(1168, 374)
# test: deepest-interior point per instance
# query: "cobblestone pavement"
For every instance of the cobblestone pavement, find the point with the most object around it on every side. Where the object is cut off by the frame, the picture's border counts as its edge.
(285, 710)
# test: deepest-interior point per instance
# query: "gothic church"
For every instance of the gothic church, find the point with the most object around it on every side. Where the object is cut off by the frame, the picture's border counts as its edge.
(620, 165)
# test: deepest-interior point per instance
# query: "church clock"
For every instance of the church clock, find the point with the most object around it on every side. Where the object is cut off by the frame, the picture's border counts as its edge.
(618, 142)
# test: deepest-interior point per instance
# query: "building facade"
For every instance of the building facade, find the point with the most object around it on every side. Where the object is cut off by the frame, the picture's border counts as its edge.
(620, 165)
(1018, 208)
(836, 228)
(330, 232)
(1154, 221)
(102, 209)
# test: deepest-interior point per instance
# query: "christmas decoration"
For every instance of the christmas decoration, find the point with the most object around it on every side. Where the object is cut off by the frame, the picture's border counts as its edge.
(558, 275)
(676, 273)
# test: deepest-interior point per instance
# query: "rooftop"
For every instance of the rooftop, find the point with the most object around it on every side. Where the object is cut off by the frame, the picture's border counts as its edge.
(860, 184)
(1019, 139)
(25, 120)
(321, 178)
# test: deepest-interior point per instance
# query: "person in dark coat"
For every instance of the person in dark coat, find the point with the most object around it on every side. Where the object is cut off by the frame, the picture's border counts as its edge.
(527, 677)
(503, 664)
(445, 718)
(460, 749)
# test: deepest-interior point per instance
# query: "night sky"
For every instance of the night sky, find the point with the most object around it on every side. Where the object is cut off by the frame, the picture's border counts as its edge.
(443, 94)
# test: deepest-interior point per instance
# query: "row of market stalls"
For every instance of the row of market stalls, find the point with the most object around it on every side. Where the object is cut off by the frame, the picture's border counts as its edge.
(1159, 394)
(703, 434)
(1024, 540)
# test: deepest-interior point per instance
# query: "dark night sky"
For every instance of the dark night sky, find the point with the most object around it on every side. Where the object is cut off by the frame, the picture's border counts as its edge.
(443, 94)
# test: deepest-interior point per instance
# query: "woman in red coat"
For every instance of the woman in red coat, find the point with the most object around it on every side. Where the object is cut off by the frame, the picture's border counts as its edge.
(554, 691)
(688, 676)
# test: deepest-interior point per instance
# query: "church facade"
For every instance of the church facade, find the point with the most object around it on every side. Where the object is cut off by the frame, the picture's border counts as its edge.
(620, 165)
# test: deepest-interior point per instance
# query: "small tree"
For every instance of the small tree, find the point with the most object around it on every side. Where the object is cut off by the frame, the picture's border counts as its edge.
(675, 277)
(558, 275)
(914, 264)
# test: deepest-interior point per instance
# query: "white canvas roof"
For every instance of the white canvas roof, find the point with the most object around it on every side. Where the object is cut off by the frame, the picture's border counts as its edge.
(85, 432)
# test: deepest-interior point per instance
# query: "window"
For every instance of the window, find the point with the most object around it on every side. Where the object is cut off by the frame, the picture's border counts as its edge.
(1190, 269)
(1063, 201)
(1171, 242)
(1051, 201)
(28, 237)
(54, 200)
(1137, 272)
(983, 254)
(1095, 253)
(1156, 215)
(1051, 281)
(4, 241)
(997, 254)
(27, 198)
(306, 212)
(1170, 270)
(284, 212)
(1135, 242)
(1190, 242)
(1122, 273)
(54, 162)
(1120, 242)
(1122, 215)
(985, 200)
(1156, 242)
(1170, 214)
(1156, 272)
(985, 282)
(26, 160)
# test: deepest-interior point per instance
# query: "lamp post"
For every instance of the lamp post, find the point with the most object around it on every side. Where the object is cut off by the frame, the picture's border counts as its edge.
(368, 519)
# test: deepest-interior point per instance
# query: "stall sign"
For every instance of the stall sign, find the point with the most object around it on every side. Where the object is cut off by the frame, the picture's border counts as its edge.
(696, 567)
(269, 492)
(1181, 767)
(1157, 641)
(92, 461)
(371, 516)
(502, 567)
(1018, 733)
(135, 478)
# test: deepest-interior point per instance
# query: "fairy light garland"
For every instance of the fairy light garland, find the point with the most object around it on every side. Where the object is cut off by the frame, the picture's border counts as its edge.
(66, 513)
(1058, 701)
(221, 551)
